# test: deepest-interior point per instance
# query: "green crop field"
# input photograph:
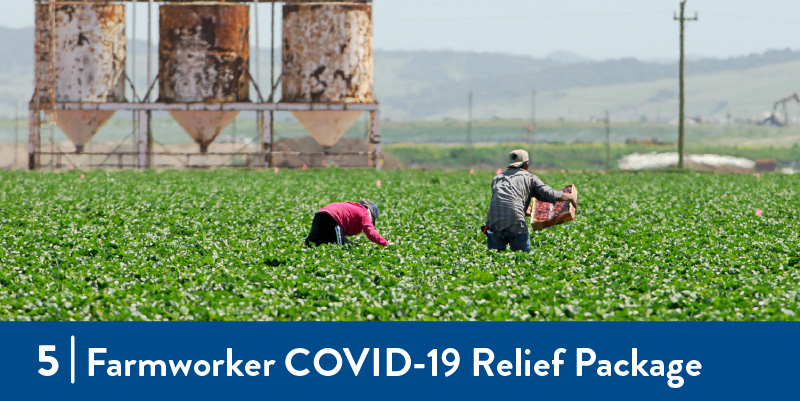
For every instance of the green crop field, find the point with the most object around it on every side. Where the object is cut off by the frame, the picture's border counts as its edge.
(227, 245)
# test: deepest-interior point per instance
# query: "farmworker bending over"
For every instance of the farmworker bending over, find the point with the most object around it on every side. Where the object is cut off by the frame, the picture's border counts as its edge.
(336, 221)
(511, 194)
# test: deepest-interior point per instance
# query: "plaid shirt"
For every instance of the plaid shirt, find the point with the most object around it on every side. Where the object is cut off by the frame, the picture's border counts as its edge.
(511, 194)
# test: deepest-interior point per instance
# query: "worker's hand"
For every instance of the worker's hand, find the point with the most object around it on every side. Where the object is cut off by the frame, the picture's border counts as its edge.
(572, 198)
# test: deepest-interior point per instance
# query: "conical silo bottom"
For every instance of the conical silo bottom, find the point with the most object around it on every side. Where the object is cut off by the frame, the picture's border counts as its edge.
(204, 126)
(81, 125)
(327, 126)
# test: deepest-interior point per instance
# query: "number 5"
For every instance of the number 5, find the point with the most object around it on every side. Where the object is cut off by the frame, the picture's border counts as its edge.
(44, 358)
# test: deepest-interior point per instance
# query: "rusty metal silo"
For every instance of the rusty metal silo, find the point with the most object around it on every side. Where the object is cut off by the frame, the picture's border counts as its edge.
(88, 62)
(204, 56)
(327, 57)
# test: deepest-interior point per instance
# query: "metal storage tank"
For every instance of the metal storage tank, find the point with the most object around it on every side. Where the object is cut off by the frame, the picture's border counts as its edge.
(327, 57)
(204, 56)
(89, 62)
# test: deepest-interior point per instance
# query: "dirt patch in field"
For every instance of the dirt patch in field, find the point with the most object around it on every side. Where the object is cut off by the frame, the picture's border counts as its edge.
(13, 157)
(181, 156)
(187, 155)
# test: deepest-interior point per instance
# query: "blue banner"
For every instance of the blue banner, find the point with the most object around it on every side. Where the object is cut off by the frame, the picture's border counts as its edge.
(412, 360)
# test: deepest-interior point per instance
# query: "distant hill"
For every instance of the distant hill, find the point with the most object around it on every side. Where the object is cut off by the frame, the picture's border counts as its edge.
(567, 57)
(422, 85)
(417, 85)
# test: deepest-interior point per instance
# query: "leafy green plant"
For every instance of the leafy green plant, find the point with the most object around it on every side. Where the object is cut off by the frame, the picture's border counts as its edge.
(228, 245)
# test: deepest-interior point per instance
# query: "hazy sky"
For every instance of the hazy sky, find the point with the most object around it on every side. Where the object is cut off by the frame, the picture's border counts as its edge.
(598, 29)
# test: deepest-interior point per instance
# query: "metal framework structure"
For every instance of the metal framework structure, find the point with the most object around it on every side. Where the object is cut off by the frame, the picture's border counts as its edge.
(142, 108)
(783, 102)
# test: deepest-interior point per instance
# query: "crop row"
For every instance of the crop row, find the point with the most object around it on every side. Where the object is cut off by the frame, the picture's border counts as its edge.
(227, 245)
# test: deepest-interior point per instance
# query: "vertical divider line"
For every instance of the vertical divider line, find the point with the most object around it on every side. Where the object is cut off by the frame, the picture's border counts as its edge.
(72, 360)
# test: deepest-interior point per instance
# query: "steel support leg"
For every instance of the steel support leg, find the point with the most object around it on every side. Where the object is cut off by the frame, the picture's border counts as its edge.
(266, 138)
(375, 157)
(143, 140)
(34, 139)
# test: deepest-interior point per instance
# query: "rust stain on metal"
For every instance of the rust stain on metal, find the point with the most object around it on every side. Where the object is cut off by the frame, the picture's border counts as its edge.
(204, 53)
(327, 126)
(89, 54)
(204, 126)
(327, 52)
(88, 58)
(81, 125)
(204, 56)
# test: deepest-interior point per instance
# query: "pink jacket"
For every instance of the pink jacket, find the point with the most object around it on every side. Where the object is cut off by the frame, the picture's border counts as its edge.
(354, 220)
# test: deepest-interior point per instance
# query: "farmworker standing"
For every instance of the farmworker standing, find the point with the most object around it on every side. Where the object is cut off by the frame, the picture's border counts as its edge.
(511, 194)
(336, 221)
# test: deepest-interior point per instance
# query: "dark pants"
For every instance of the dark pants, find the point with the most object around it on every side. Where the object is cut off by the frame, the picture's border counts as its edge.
(499, 241)
(325, 230)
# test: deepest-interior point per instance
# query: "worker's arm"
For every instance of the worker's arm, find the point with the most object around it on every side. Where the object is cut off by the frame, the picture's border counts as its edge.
(544, 193)
(371, 233)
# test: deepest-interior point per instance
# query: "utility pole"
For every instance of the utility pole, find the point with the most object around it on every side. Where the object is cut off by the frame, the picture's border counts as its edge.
(607, 120)
(533, 123)
(469, 128)
(681, 117)
(16, 133)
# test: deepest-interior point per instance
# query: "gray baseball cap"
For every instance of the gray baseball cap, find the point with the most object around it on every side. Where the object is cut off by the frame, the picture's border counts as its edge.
(373, 209)
(517, 158)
